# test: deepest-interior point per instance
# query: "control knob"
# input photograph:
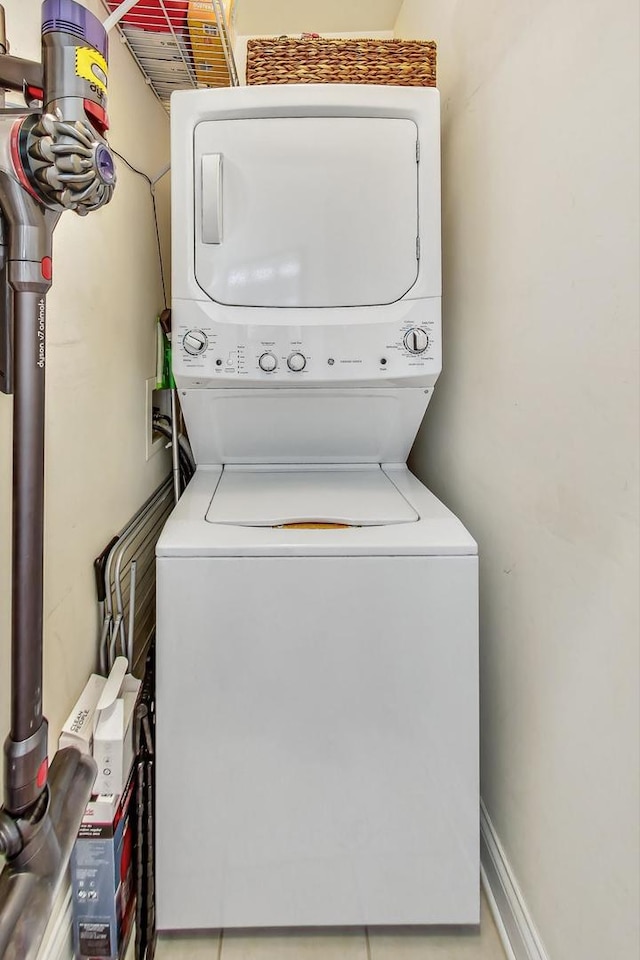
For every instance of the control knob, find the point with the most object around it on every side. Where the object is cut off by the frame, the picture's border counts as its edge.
(267, 362)
(297, 362)
(195, 342)
(416, 340)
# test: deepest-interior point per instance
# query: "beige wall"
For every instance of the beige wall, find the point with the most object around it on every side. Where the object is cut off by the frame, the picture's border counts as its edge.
(258, 17)
(331, 18)
(532, 435)
(101, 348)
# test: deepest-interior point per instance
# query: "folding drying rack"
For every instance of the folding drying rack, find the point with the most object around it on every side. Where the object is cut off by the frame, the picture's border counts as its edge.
(126, 584)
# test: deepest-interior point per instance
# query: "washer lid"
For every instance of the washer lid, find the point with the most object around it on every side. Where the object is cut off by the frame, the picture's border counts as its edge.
(361, 496)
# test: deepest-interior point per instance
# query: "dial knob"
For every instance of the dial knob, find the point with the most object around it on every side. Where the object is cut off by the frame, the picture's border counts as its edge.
(416, 340)
(195, 342)
(297, 362)
(267, 362)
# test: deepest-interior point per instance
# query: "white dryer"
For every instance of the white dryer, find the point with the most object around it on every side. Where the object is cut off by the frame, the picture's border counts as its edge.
(317, 663)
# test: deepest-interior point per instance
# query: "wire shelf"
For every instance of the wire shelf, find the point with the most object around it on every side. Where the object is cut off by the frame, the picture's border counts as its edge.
(177, 44)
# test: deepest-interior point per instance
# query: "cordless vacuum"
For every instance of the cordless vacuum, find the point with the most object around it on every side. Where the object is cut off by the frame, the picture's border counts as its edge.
(53, 157)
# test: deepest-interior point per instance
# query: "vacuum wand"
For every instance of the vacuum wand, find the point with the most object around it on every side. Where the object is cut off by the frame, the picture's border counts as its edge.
(53, 158)
(28, 475)
(54, 161)
(26, 746)
(30, 231)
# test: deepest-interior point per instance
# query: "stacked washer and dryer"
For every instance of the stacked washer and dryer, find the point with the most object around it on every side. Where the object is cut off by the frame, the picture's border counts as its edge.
(317, 640)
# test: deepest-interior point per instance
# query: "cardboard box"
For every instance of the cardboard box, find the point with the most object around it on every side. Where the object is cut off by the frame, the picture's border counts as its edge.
(156, 50)
(102, 880)
(113, 729)
(78, 729)
(152, 15)
(206, 45)
(166, 46)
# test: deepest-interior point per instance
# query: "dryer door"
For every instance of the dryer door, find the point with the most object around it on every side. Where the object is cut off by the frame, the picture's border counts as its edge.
(306, 211)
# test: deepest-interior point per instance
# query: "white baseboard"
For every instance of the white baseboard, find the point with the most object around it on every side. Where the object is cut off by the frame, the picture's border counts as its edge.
(519, 936)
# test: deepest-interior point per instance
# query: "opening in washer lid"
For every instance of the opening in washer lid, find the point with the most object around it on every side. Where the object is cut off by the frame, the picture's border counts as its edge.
(354, 496)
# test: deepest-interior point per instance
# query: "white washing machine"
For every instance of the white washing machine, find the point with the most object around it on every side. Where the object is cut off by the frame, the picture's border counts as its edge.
(317, 661)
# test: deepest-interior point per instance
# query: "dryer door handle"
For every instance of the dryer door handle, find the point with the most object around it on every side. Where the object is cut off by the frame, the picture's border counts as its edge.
(211, 192)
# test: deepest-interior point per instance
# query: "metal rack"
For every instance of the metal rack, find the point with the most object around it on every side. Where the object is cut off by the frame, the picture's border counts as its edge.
(126, 583)
(175, 46)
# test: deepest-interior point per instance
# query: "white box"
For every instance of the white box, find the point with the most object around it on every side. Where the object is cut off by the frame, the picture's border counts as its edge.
(78, 730)
(159, 45)
(113, 729)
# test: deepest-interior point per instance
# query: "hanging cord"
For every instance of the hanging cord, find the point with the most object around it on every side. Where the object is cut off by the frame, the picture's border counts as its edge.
(152, 191)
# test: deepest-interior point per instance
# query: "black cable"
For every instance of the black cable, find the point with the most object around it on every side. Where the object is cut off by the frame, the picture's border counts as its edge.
(141, 173)
(155, 220)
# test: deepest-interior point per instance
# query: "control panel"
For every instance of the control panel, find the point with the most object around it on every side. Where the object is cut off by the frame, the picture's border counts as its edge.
(208, 351)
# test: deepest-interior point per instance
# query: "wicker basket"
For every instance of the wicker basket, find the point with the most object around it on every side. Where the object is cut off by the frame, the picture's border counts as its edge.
(406, 63)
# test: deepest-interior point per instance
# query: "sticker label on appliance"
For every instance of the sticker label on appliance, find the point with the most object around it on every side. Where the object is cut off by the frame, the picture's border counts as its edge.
(92, 67)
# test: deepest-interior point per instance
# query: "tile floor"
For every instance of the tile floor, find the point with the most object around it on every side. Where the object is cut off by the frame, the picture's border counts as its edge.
(379, 944)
